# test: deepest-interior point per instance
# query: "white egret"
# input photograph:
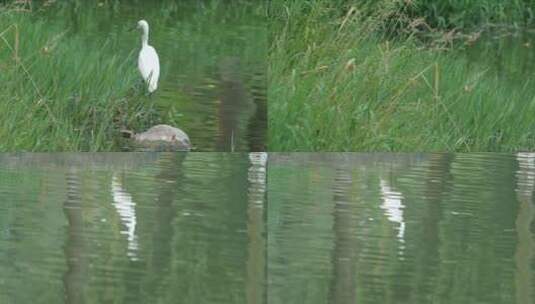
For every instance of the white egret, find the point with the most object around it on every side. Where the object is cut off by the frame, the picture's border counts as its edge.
(148, 62)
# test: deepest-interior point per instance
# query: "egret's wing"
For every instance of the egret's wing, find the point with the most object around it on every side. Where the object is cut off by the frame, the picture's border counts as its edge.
(149, 66)
(154, 62)
(142, 64)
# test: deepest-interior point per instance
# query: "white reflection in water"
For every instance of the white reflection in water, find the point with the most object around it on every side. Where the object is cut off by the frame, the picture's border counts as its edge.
(257, 176)
(526, 173)
(393, 208)
(126, 207)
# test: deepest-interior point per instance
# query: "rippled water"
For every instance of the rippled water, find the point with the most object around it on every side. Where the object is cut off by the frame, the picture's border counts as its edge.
(132, 228)
(212, 56)
(401, 228)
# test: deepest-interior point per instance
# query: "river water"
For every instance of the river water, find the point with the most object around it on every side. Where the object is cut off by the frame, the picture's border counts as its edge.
(132, 228)
(401, 228)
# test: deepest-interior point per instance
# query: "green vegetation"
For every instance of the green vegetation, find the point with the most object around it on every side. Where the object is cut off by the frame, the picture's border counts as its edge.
(401, 76)
(447, 14)
(69, 69)
(58, 92)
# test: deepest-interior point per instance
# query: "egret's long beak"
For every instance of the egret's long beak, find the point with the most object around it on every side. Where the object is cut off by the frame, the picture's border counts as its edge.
(133, 28)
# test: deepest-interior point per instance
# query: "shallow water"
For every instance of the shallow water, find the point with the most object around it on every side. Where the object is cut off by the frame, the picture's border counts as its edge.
(401, 228)
(212, 57)
(132, 228)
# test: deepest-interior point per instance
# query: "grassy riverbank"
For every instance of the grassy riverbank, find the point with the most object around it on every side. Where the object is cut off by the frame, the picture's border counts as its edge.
(381, 78)
(69, 70)
(60, 92)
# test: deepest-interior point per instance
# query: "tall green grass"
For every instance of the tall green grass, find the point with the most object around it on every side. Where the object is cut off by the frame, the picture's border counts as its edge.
(472, 13)
(339, 82)
(60, 92)
(439, 13)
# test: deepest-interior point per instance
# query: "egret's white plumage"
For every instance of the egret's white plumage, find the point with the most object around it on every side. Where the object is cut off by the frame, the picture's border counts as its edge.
(148, 62)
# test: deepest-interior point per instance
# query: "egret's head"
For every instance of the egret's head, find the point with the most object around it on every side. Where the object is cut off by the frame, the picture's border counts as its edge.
(142, 25)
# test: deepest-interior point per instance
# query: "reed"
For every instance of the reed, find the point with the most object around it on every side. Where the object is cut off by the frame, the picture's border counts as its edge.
(338, 81)
(59, 92)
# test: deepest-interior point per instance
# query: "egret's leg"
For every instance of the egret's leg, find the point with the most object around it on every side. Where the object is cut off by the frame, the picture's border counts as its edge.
(151, 109)
(151, 100)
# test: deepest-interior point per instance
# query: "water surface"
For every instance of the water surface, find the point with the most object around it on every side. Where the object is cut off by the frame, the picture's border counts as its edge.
(401, 228)
(132, 228)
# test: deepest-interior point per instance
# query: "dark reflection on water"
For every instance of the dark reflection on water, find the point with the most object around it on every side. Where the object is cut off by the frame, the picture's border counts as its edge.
(132, 228)
(401, 228)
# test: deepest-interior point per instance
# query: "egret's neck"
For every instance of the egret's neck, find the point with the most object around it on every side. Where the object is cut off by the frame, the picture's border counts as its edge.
(145, 37)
